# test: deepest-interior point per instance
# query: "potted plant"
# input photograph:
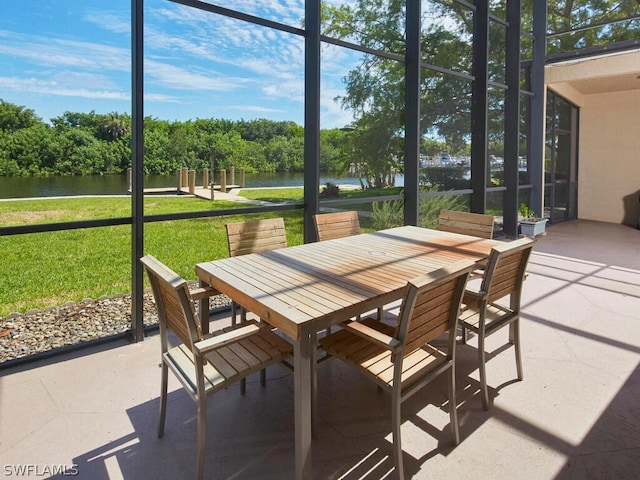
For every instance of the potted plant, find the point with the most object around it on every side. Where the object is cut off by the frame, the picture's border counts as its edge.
(531, 225)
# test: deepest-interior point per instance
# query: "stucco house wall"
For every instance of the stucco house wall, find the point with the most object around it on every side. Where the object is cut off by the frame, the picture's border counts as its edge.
(609, 157)
(609, 135)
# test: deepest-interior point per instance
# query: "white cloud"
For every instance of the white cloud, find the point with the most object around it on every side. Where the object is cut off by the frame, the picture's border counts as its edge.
(331, 112)
(289, 12)
(218, 44)
(192, 57)
(254, 108)
(55, 52)
(51, 87)
(291, 90)
(170, 76)
(109, 21)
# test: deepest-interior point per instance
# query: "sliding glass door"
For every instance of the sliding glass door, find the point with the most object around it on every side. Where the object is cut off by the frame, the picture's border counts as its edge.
(561, 159)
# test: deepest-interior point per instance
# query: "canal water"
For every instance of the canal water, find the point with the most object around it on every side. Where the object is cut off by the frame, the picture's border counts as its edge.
(28, 187)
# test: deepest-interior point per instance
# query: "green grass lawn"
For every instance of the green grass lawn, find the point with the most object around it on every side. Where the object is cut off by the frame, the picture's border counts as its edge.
(275, 195)
(293, 195)
(47, 269)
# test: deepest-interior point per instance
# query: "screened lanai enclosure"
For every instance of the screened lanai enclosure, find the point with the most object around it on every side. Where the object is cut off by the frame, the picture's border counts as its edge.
(449, 94)
(446, 97)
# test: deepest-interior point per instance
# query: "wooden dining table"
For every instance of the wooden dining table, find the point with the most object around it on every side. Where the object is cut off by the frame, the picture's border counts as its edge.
(303, 290)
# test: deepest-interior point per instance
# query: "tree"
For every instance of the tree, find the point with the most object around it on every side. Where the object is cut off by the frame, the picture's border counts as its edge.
(571, 14)
(374, 88)
(114, 125)
(8, 166)
(287, 155)
(333, 150)
(89, 121)
(34, 150)
(377, 150)
(14, 117)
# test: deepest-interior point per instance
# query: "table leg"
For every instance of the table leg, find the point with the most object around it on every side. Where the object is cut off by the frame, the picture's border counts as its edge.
(204, 310)
(314, 384)
(302, 399)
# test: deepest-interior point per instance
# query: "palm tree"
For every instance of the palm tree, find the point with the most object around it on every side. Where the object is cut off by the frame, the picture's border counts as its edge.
(114, 125)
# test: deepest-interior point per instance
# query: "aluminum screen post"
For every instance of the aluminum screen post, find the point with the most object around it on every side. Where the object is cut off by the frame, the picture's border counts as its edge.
(137, 163)
(311, 118)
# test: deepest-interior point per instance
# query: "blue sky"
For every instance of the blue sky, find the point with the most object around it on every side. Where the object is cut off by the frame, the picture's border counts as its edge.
(74, 55)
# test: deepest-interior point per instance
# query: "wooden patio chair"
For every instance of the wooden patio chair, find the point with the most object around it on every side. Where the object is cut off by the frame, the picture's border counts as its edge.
(254, 236)
(404, 358)
(339, 225)
(336, 225)
(204, 365)
(503, 277)
(475, 224)
(466, 223)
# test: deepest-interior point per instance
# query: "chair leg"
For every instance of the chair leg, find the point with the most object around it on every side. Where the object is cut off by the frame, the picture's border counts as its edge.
(515, 334)
(234, 312)
(453, 410)
(396, 421)
(202, 436)
(243, 317)
(263, 377)
(163, 399)
(482, 370)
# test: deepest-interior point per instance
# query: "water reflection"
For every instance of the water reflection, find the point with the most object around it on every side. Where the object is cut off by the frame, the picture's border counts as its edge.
(27, 187)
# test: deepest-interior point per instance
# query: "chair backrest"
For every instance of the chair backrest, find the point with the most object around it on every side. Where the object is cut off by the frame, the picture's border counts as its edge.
(431, 306)
(505, 270)
(176, 309)
(476, 224)
(256, 236)
(336, 225)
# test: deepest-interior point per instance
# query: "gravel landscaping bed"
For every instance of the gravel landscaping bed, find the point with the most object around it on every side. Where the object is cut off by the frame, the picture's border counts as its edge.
(38, 331)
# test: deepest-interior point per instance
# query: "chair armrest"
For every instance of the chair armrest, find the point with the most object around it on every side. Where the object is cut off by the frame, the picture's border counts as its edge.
(203, 292)
(381, 339)
(209, 344)
(475, 295)
(472, 297)
(473, 290)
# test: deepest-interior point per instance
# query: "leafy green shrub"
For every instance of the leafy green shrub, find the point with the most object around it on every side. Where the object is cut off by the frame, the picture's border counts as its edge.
(390, 214)
(444, 178)
(387, 214)
(330, 190)
(429, 208)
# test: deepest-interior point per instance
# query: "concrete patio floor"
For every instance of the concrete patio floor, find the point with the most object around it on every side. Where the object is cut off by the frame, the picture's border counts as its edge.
(576, 415)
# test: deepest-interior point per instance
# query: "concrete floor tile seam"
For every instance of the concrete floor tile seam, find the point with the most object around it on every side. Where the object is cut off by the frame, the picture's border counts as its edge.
(577, 266)
(562, 336)
(587, 283)
(535, 435)
(598, 339)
